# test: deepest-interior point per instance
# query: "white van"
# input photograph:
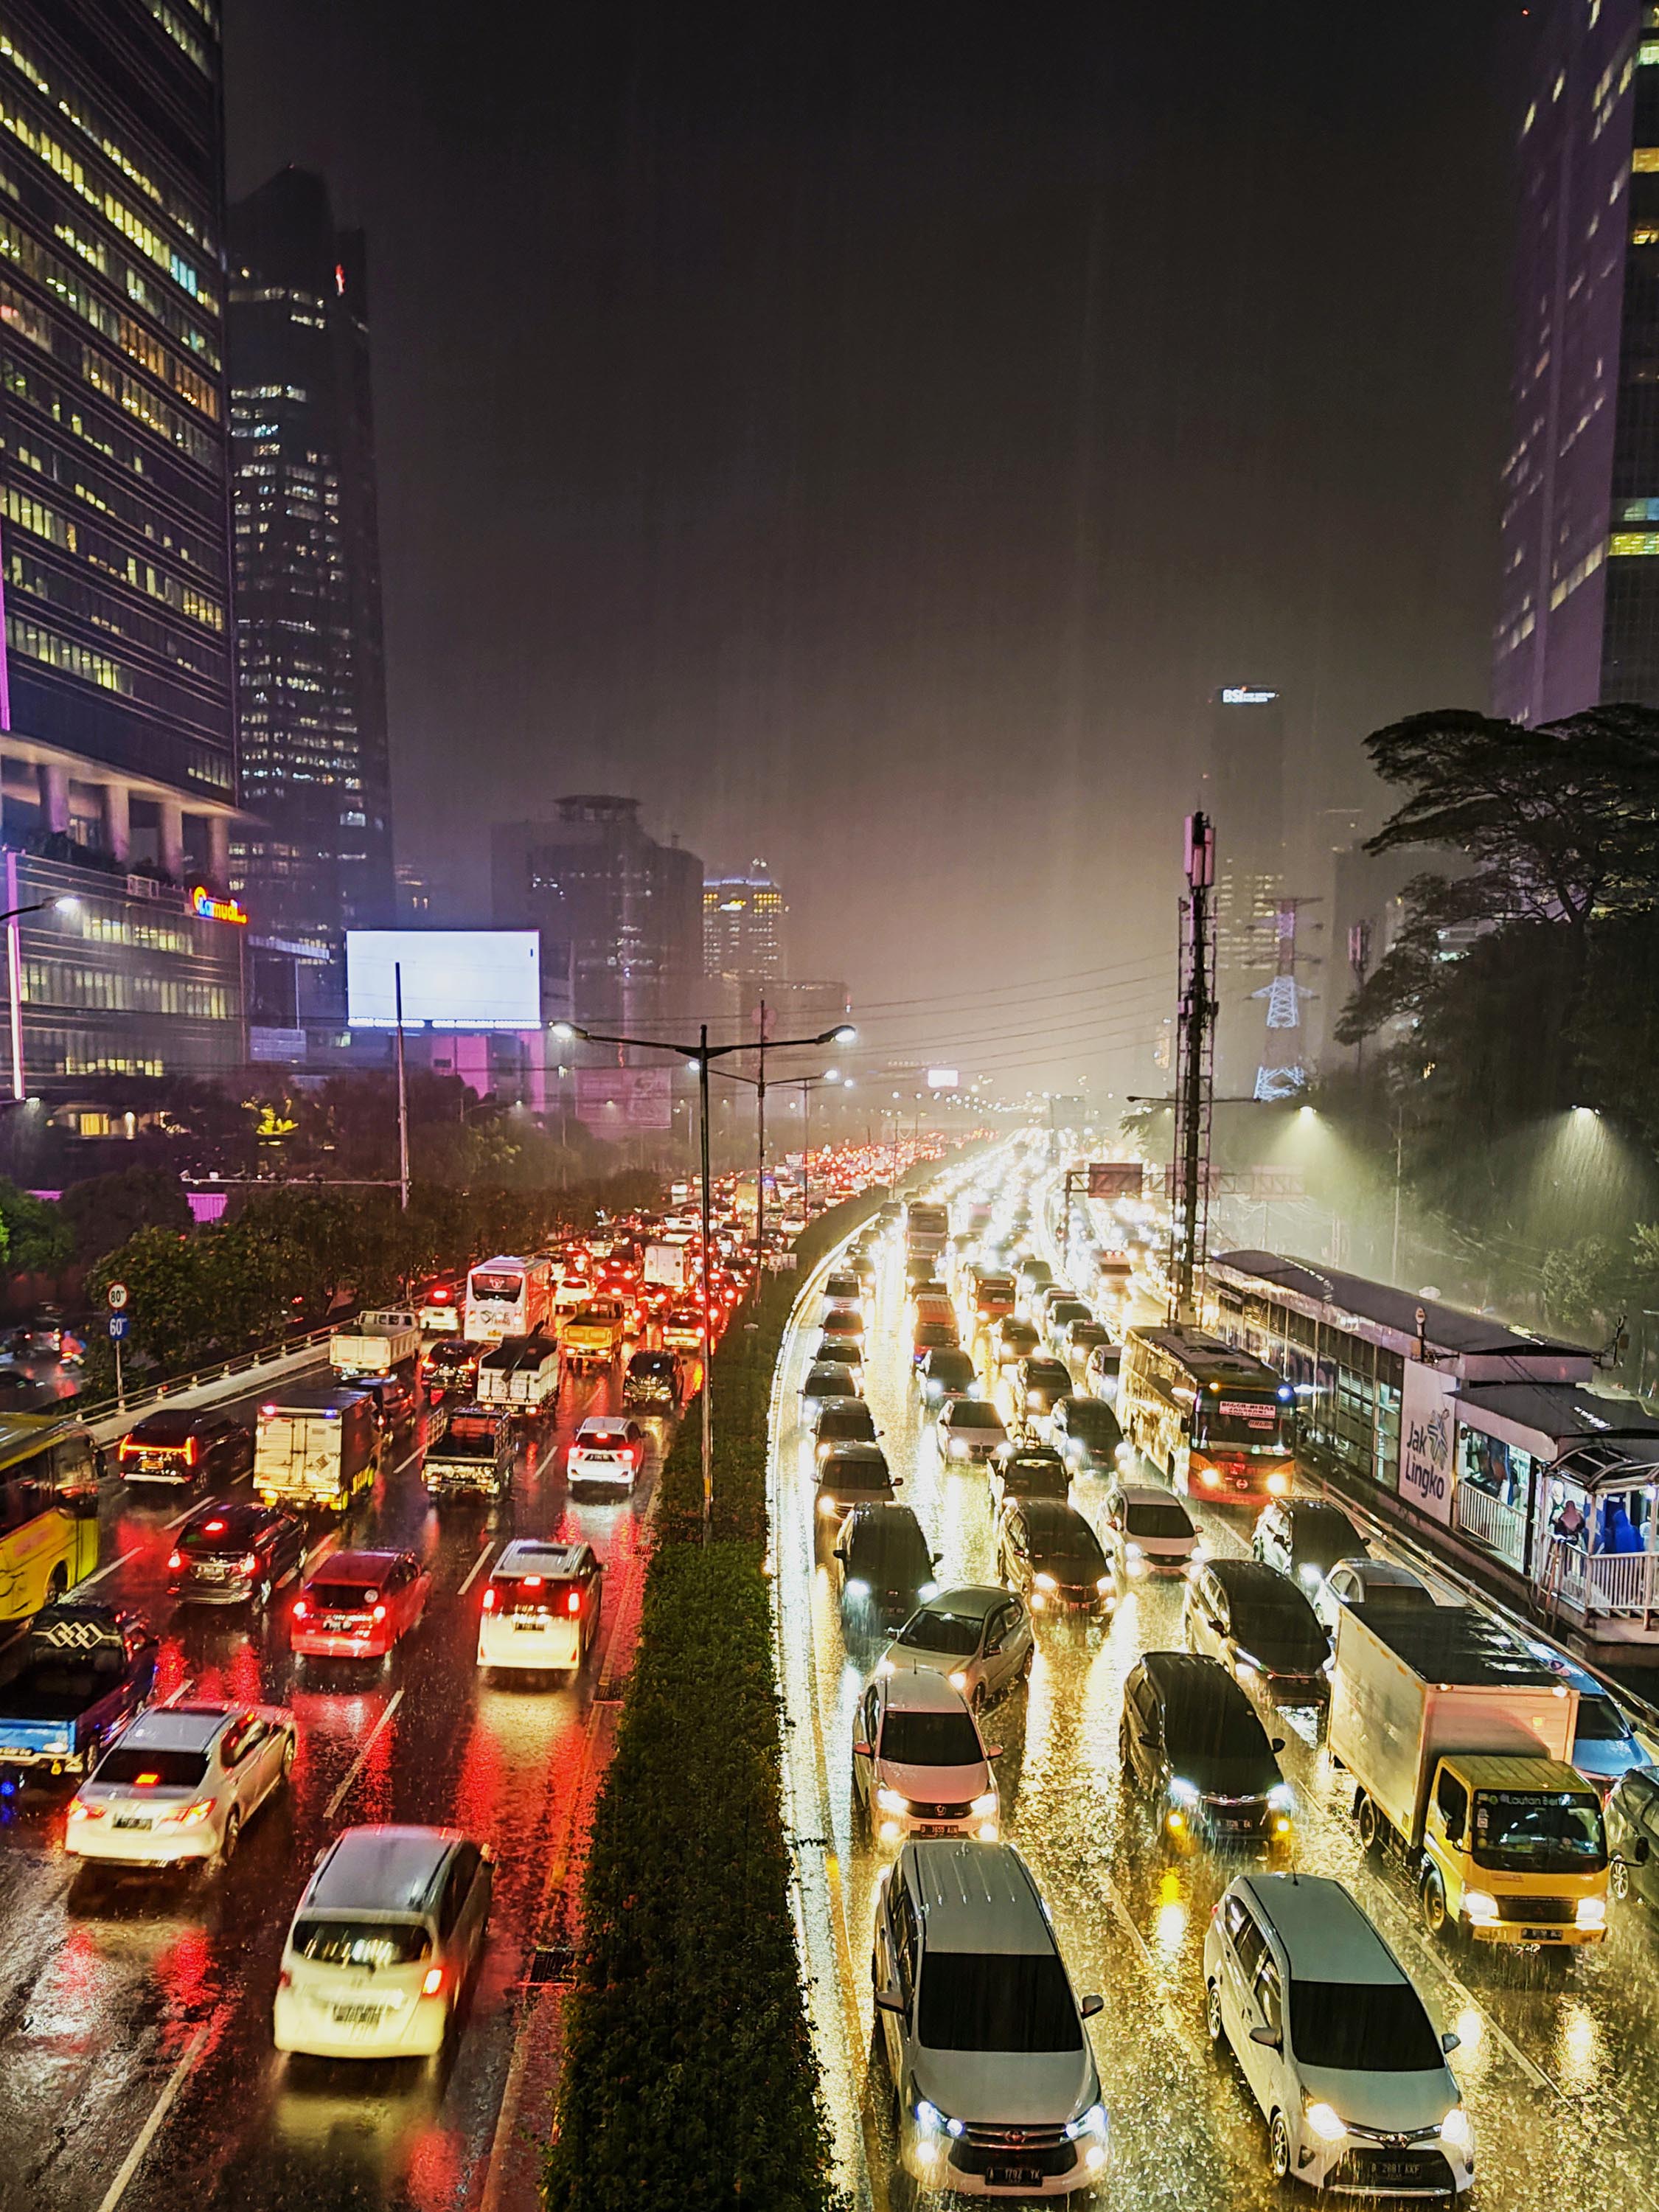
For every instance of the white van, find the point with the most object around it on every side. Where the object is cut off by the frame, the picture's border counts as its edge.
(386, 1936)
(541, 1606)
(1334, 2042)
(997, 2084)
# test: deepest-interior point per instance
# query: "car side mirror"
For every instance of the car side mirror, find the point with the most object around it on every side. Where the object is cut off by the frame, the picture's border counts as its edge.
(840, 1552)
(1267, 2038)
(1276, 1743)
(1449, 2042)
(1641, 1850)
(994, 1751)
(862, 1751)
(890, 2001)
(935, 1557)
(1091, 2006)
(992, 1650)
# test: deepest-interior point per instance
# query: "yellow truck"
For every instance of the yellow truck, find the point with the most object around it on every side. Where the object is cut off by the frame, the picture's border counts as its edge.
(593, 1336)
(1458, 1739)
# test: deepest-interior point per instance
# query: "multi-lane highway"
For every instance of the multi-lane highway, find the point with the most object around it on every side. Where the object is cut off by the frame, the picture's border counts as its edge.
(136, 2061)
(1560, 2065)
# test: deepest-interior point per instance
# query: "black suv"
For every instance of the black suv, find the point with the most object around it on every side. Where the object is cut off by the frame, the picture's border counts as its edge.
(1191, 1740)
(1084, 1432)
(1038, 1385)
(234, 1554)
(1028, 1471)
(1305, 1538)
(451, 1369)
(1049, 1553)
(886, 1568)
(180, 1447)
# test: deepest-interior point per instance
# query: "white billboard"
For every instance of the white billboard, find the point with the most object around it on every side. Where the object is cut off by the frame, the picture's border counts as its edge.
(1428, 1432)
(943, 1078)
(452, 979)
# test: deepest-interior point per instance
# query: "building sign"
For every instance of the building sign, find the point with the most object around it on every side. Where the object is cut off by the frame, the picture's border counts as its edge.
(624, 1099)
(1428, 1424)
(943, 1079)
(206, 907)
(1241, 694)
(1115, 1178)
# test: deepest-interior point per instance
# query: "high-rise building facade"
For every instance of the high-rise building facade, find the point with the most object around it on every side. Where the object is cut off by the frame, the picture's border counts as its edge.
(317, 858)
(118, 779)
(1243, 788)
(1579, 610)
(620, 914)
(743, 919)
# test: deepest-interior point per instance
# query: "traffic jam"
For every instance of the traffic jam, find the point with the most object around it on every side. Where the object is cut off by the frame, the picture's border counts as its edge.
(1192, 1838)
(297, 1723)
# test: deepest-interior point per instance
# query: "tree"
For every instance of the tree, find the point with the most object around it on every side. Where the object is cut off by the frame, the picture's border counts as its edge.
(39, 1241)
(105, 1211)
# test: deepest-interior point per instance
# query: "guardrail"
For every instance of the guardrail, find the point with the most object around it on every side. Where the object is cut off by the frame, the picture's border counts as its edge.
(134, 1404)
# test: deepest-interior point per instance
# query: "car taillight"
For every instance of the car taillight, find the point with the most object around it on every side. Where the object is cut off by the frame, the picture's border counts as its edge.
(190, 1451)
(176, 1560)
(129, 1449)
(284, 1979)
(573, 1603)
(80, 1812)
(432, 1986)
(489, 1601)
(300, 1608)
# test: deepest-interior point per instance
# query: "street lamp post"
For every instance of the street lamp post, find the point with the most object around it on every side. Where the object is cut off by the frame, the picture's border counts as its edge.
(700, 1055)
(14, 963)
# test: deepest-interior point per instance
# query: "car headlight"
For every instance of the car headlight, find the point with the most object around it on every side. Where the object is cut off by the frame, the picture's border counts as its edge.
(1123, 1453)
(984, 1805)
(1455, 2129)
(1134, 1550)
(1310, 1575)
(1103, 1584)
(958, 1680)
(1245, 1672)
(958, 1448)
(1091, 2123)
(1183, 1792)
(1278, 1486)
(933, 2122)
(1033, 1398)
(891, 1801)
(1281, 1797)
(1326, 2121)
(857, 1586)
(1592, 1912)
(1480, 1906)
(828, 1507)
(885, 1667)
(1045, 1581)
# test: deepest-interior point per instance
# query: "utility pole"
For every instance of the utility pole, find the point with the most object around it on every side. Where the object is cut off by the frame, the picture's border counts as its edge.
(760, 1162)
(1196, 1076)
(403, 1091)
(706, 1394)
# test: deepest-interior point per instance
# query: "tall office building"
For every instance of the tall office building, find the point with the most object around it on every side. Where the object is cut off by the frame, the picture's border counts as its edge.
(1243, 788)
(310, 655)
(1579, 608)
(118, 781)
(743, 919)
(620, 914)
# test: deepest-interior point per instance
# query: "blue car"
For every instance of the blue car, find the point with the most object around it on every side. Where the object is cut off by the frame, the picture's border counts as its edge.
(1604, 1745)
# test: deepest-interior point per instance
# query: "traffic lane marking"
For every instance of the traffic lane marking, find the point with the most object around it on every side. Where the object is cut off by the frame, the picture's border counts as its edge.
(477, 1568)
(175, 2082)
(357, 1764)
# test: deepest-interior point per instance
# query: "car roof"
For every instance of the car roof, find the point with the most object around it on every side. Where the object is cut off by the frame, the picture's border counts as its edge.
(969, 1599)
(1250, 1578)
(858, 1451)
(978, 1897)
(1383, 1570)
(240, 1516)
(605, 1422)
(1189, 1673)
(1326, 1938)
(382, 1868)
(973, 1413)
(919, 1690)
(176, 1421)
(1315, 1511)
(881, 1516)
(1050, 1517)
(537, 1555)
(346, 1565)
(1151, 1494)
(179, 1727)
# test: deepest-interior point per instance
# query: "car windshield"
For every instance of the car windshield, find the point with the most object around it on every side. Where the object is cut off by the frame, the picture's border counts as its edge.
(1287, 1626)
(1152, 1517)
(371, 1943)
(1076, 1545)
(503, 1287)
(215, 1536)
(1091, 1423)
(972, 1414)
(895, 1555)
(1040, 1477)
(932, 1335)
(844, 1476)
(1517, 1831)
(1000, 2001)
(931, 1740)
(1322, 1540)
(849, 1422)
(1600, 1721)
(956, 1634)
(344, 1597)
(1364, 2027)
(1219, 1730)
(144, 1769)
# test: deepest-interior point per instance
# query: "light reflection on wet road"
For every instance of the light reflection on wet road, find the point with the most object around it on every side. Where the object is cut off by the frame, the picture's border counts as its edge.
(1560, 2063)
(106, 1986)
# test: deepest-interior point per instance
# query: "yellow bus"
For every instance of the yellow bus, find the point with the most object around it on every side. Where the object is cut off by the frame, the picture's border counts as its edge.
(48, 1511)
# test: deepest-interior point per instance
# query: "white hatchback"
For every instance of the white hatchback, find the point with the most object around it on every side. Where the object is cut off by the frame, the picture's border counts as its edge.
(1335, 2043)
(180, 1783)
(387, 1936)
(920, 1765)
(607, 1449)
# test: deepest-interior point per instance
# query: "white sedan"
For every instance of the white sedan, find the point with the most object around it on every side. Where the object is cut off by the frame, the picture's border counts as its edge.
(182, 1784)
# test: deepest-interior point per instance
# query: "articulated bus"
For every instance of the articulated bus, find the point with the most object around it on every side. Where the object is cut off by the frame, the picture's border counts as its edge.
(508, 1297)
(1215, 1421)
(48, 1511)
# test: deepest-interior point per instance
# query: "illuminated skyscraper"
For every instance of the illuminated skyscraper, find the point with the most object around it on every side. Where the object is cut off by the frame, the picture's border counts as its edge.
(1243, 787)
(1579, 610)
(743, 919)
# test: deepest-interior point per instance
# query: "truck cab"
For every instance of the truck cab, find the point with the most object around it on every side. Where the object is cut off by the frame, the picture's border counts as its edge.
(1515, 1851)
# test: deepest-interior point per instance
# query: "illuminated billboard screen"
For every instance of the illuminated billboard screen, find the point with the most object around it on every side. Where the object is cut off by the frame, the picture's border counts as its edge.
(452, 979)
(943, 1078)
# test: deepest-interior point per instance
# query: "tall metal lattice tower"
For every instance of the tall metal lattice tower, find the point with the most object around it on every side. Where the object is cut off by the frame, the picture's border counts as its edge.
(1189, 1174)
(1284, 1071)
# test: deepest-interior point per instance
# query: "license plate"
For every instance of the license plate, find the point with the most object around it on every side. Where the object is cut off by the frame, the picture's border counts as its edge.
(930, 1828)
(212, 1570)
(359, 2015)
(128, 1821)
(1395, 2169)
(1014, 2177)
(1542, 1935)
(528, 1627)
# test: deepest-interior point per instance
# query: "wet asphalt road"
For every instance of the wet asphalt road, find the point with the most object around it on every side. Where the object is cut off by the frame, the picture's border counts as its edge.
(1560, 2066)
(116, 1991)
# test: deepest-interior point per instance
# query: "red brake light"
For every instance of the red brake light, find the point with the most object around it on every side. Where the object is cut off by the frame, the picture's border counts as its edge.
(441, 1297)
(129, 1449)
(176, 1560)
(573, 1601)
(434, 1982)
(145, 1781)
(300, 1608)
(532, 1582)
(190, 1451)
(489, 1599)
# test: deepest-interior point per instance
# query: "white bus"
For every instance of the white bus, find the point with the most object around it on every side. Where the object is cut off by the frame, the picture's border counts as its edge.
(508, 1297)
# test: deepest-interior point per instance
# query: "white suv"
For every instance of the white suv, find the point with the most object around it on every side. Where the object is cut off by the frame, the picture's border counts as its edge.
(997, 2090)
(1335, 2043)
(920, 1765)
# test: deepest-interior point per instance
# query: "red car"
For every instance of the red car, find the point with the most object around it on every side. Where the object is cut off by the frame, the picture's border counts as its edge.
(356, 1605)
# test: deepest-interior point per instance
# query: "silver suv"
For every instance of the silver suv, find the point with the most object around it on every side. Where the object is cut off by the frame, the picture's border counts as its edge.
(995, 2084)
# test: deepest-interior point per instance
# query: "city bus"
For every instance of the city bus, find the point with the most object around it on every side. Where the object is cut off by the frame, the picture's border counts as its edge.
(1215, 1421)
(508, 1297)
(48, 1511)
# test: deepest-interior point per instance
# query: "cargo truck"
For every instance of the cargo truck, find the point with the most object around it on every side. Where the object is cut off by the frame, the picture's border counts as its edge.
(473, 1457)
(1457, 1739)
(593, 1336)
(381, 1352)
(520, 1378)
(316, 1449)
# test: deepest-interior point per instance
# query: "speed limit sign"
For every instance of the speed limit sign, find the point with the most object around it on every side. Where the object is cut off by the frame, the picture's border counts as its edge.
(117, 1295)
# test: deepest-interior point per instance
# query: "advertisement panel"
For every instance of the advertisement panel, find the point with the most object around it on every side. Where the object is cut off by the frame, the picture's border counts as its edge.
(625, 1098)
(452, 979)
(1428, 1426)
(943, 1079)
(1115, 1178)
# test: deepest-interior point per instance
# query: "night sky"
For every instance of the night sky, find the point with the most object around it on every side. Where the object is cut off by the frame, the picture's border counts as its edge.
(867, 439)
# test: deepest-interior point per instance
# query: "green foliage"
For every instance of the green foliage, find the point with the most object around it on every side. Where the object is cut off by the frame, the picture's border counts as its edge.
(106, 1210)
(38, 1239)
